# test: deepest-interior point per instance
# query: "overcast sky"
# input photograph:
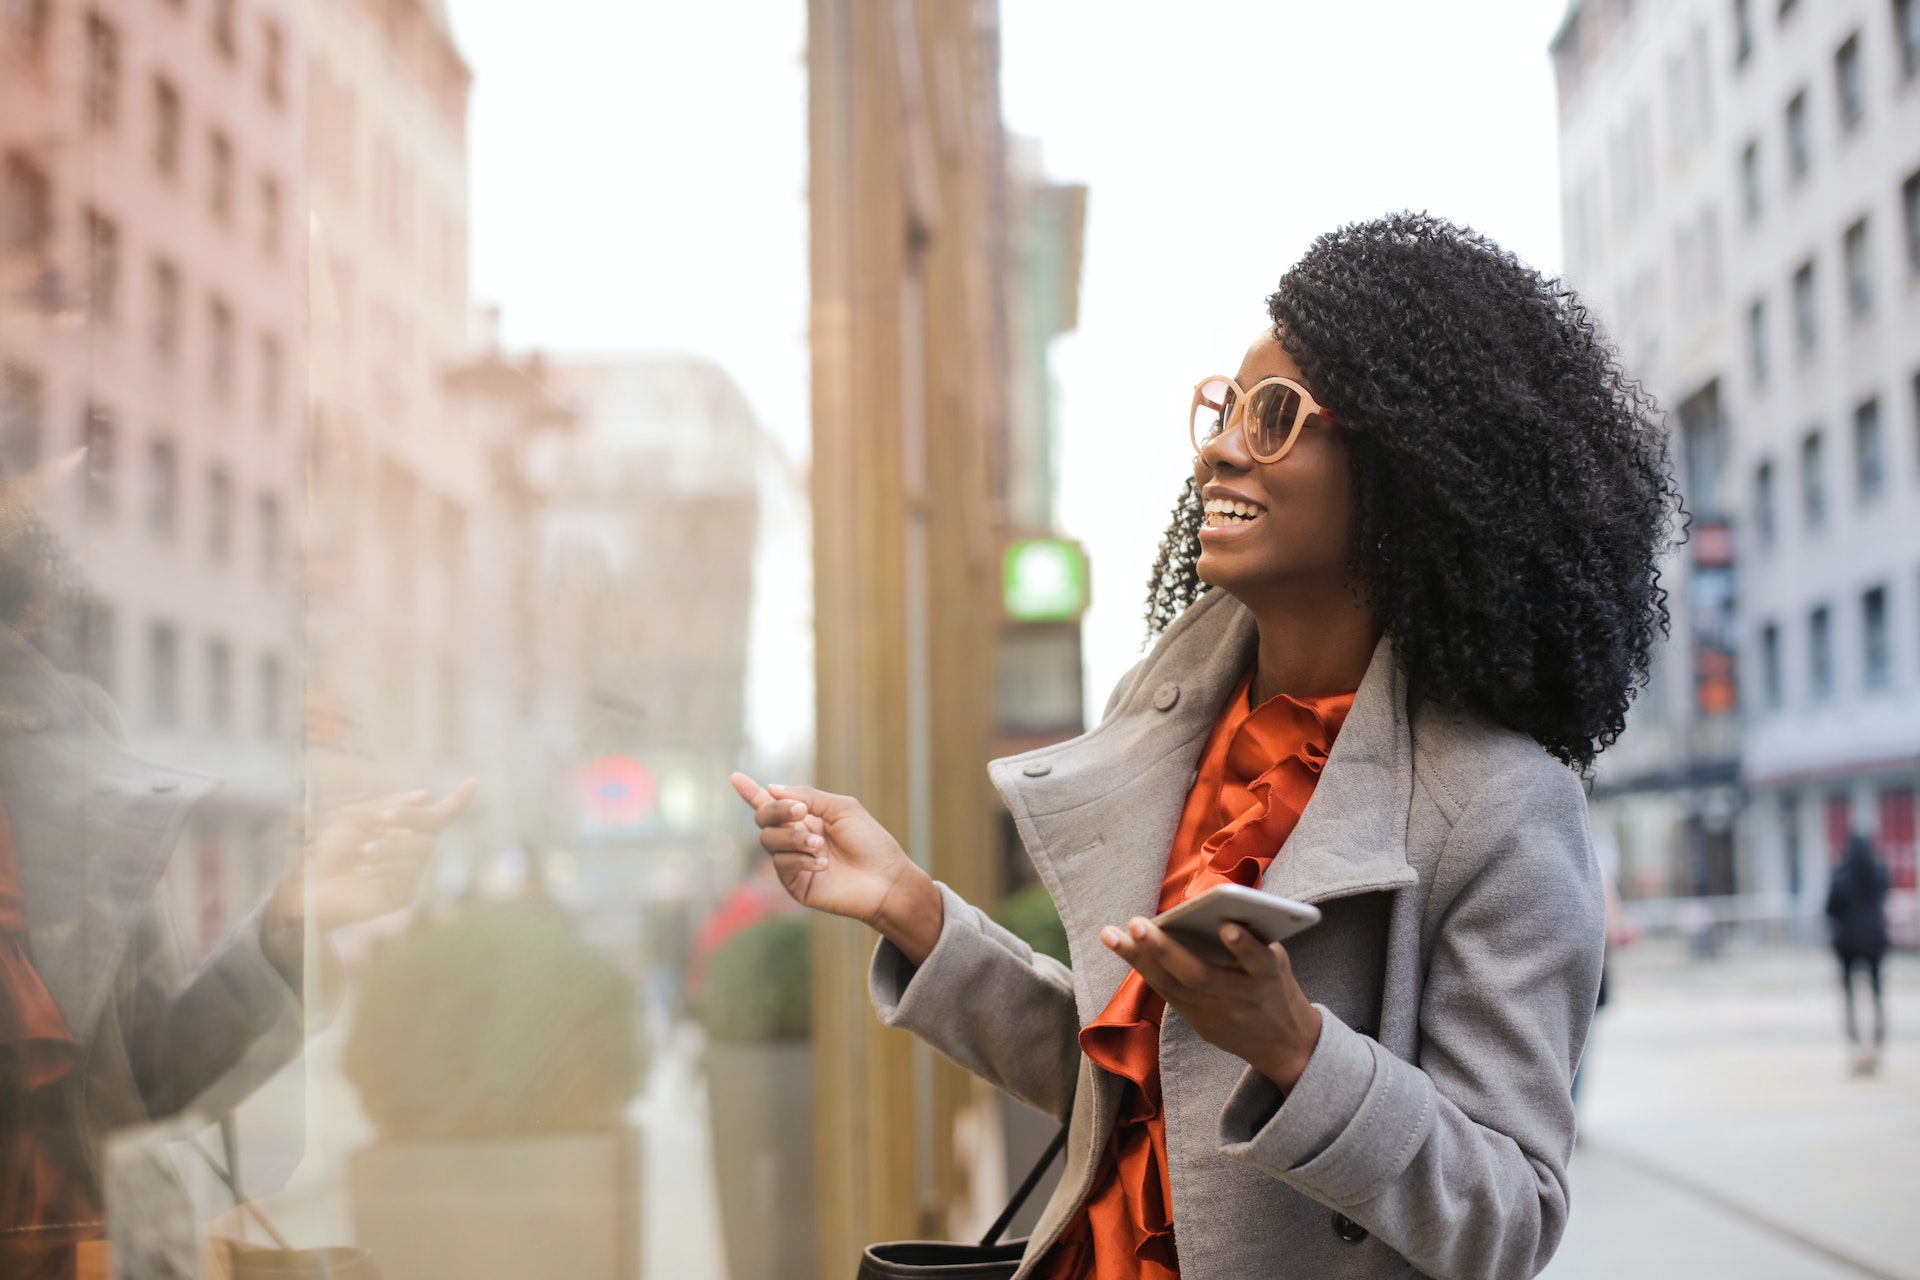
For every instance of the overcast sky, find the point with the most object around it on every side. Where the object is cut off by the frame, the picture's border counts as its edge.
(639, 177)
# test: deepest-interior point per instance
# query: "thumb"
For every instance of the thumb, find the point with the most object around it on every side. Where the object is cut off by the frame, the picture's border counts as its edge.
(822, 804)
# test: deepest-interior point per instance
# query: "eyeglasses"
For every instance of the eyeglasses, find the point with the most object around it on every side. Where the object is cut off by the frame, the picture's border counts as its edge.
(1274, 411)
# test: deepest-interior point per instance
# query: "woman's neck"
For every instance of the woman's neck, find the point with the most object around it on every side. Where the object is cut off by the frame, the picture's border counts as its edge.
(1313, 651)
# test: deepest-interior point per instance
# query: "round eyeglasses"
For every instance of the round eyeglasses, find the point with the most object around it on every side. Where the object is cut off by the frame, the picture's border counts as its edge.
(1271, 412)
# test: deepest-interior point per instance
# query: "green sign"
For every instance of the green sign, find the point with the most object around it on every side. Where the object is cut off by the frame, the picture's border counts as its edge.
(1044, 580)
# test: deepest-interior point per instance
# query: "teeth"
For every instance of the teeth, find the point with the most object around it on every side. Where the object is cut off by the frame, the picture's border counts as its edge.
(1225, 511)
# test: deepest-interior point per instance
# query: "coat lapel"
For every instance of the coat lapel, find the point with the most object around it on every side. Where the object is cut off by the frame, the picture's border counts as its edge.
(1098, 813)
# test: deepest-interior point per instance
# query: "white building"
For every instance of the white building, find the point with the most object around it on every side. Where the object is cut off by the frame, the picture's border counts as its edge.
(1741, 193)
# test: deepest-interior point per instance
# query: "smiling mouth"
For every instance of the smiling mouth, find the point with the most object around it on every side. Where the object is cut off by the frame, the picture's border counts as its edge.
(1223, 513)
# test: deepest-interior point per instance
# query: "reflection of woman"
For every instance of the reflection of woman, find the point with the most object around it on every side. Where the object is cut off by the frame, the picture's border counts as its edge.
(1429, 507)
(101, 1026)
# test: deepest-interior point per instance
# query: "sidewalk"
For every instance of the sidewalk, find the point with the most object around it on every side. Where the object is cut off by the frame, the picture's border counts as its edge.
(1723, 1136)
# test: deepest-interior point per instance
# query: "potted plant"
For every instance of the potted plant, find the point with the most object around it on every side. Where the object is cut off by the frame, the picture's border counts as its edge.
(496, 1055)
(1030, 915)
(758, 1012)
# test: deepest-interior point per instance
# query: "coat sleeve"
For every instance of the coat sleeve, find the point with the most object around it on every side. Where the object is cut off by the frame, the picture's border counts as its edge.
(1459, 1163)
(988, 1001)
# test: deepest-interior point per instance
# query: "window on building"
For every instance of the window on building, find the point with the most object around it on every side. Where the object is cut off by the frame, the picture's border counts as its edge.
(1910, 208)
(1764, 519)
(270, 216)
(1806, 309)
(1850, 80)
(1859, 263)
(167, 127)
(98, 434)
(220, 346)
(270, 536)
(1869, 450)
(1813, 483)
(226, 28)
(219, 686)
(220, 175)
(1757, 340)
(1770, 675)
(32, 22)
(273, 57)
(1799, 136)
(103, 72)
(1896, 837)
(163, 488)
(1820, 652)
(1787, 7)
(219, 515)
(163, 674)
(166, 309)
(1750, 181)
(272, 380)
(99, 643)
(270, 697)
(103, 267)
(1742, 31)
(1876, 652)
(1906, 28)
(22, 419)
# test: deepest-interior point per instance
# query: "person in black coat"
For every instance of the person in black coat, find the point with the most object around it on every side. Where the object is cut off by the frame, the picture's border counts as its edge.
(1857, 915)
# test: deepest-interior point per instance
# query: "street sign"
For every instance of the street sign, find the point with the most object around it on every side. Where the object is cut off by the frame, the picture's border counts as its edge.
(1044, 580)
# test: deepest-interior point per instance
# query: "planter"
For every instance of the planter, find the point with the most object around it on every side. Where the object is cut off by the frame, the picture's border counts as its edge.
(501, 1208)
(760, 1109)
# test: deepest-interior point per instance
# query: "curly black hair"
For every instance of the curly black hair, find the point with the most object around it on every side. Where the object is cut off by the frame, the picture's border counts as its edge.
(1513, 492)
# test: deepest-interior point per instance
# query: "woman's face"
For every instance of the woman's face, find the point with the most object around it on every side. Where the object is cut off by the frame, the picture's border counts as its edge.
(1302, 526)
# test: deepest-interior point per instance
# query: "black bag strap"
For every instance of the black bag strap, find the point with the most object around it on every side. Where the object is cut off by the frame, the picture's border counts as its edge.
(1025, 1189)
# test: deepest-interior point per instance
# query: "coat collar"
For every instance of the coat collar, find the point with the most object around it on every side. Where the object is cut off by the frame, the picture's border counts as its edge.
(93, 826)
(1098, 813)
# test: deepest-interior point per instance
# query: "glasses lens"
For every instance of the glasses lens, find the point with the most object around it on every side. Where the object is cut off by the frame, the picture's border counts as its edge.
(1212, 410)
(1270, 418)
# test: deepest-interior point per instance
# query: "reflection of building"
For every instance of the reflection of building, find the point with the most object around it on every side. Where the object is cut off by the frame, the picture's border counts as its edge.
(151, 189)
(394, 481)
(1742, 202)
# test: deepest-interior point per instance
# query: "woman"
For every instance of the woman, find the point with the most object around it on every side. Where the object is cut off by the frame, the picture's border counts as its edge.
(1857, 918)
(1407, 594)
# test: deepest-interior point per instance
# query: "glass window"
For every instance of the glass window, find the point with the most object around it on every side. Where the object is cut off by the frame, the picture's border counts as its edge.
(98, 435)
(1850, 79)
(1813, 485)
(1910, 209)
(220, 175)
(270, 535)
(226, 34)
(219, 515)
(1770, 666)
(1750, 180)
(22, 420)
(1869, 451)
(1859, 269)
(1876, 652)
(1799, 136)
(103, 71)
(1742, 31)
(163, 488)
(1820, 652)
(273, 56)
(1806, 308)
(1763, 503)
(220, 346)
(271, 216)
(1906, 24)
(166, 127)
(1757, 340)
(103, 267)
(270, 696)
(219, 685)
(166, 309)
(163, 674)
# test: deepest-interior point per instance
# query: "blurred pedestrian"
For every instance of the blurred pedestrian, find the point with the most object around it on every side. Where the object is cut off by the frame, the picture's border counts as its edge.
(1857, 915)
(1406, 596)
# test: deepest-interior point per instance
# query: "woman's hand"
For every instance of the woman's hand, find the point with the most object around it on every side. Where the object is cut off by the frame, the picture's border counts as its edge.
(832, 856)
(366, 859)
(1256, 1012)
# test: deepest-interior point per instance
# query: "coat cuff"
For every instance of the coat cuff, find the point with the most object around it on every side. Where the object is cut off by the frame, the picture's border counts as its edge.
(893, 981)
(1354, 1120)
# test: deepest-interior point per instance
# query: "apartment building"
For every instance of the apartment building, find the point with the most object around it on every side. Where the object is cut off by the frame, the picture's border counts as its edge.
(151, 259)
(1741, 196)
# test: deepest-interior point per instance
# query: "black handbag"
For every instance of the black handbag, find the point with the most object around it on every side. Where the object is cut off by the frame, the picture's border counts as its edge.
(991, 1259)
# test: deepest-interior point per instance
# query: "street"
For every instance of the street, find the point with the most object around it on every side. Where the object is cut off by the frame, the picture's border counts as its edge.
(1722, 1134)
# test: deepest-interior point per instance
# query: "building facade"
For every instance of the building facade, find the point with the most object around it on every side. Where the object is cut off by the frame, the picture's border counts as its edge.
(152, 185)
(1741, 198)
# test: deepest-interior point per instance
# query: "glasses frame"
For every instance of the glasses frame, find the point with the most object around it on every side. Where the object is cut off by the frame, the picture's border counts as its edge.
(1308, 408)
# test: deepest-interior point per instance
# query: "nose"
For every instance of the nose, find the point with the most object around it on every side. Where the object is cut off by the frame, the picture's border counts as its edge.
(1227, 451)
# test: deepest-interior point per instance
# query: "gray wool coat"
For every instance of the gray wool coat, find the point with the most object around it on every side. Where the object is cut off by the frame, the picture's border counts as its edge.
(1456, 968)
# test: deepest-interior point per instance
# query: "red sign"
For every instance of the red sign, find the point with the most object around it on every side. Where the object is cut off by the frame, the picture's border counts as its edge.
(615, 791)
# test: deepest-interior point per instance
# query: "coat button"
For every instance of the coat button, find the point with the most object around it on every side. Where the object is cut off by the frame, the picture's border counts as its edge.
(1165, 696)
(1037, 769)
(1347, 1229)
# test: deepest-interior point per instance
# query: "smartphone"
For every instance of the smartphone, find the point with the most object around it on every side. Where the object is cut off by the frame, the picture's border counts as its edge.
(1195, 923)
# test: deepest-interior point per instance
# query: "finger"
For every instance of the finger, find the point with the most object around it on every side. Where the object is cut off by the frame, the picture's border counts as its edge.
(792, 840)
(790, 865)
(780, 813)
(1253, 955)
(1186, 968)
(749, 790)
(1129, 945)
(825, 803)
(450, 805)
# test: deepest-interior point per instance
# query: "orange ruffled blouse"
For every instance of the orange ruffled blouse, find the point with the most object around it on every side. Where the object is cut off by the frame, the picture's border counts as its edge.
(1256, 775)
